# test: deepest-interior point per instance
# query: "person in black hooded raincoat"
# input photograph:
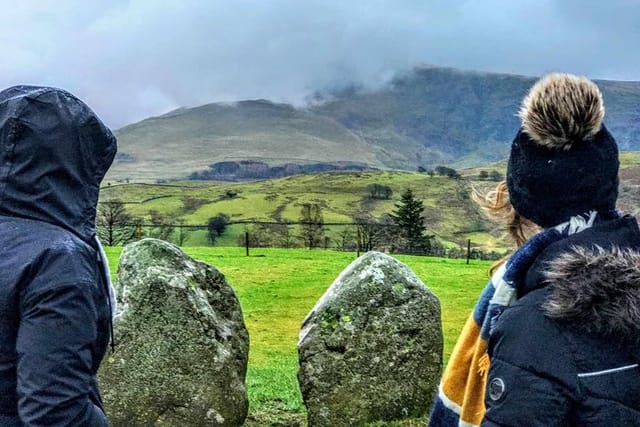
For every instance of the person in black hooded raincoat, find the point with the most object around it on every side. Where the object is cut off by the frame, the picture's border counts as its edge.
(55, 297)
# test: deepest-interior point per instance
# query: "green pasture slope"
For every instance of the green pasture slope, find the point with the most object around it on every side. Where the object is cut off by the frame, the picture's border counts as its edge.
(278, 287)
(449, 212)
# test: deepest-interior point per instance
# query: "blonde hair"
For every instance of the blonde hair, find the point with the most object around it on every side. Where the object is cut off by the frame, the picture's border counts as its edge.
(497, 206)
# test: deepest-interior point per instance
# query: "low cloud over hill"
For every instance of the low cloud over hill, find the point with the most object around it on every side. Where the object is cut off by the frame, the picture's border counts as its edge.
(428, 117)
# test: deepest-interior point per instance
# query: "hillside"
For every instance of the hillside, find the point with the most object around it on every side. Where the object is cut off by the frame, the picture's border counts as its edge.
(449, 212)
(430, 116)
(189, 140)
(468, 118)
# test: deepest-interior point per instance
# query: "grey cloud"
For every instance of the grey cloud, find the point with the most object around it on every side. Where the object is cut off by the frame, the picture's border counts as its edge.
(133, 59)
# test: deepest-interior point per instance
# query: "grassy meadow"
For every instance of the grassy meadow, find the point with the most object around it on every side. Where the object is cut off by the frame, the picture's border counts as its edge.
(449, 213)
(278, 287)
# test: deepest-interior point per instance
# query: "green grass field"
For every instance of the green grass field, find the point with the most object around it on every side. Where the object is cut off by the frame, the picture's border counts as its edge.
(449, 212)
(278, 287)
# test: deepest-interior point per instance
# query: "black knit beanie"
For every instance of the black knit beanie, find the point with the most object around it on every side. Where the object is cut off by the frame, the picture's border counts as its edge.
(563, 161)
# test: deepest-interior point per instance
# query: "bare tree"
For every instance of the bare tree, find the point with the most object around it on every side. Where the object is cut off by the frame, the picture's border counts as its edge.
(183, 232)
(162, 226)
(114, 225)
(347, 239)
(312, 225)
(286, 238)
(372, 234)
(269, 235)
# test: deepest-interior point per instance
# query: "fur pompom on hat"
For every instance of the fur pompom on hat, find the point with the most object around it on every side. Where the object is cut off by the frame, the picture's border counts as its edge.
(562, 109)
(563, 161)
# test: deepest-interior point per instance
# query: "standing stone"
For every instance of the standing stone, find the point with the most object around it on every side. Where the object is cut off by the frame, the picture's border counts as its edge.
(181, 343)
(371, 348)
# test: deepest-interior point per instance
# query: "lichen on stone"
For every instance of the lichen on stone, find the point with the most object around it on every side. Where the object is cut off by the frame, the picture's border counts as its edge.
(371, 348)
(182, 345)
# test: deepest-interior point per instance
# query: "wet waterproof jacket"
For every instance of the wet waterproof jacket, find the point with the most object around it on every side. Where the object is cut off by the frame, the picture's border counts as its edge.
(54, 311)
(566, 353)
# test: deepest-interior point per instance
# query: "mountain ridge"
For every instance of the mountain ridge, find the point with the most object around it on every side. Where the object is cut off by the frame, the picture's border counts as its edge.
(422, 118)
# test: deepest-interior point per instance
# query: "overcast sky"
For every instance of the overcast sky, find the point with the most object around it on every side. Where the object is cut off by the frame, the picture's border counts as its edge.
(133, 59)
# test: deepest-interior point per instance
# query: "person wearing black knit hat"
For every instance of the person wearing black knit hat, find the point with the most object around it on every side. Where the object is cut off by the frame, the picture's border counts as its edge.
(564, 348)
(554, 339)
(564, 147)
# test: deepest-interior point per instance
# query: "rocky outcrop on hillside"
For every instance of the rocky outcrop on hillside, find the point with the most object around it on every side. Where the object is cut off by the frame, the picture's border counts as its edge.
(182, 346)
(371, 348)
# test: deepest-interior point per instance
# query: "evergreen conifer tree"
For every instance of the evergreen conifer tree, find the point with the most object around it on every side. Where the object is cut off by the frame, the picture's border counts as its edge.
(408, 218)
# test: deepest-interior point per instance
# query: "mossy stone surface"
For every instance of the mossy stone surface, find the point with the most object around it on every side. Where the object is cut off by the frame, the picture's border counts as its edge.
(181, 343)
(371, 348)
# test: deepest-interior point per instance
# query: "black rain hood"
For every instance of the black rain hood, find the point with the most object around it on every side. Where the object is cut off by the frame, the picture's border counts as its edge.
(54, 153)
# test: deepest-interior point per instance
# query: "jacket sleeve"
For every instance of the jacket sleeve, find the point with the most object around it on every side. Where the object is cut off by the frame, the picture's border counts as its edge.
(55, 343)
(532, 378)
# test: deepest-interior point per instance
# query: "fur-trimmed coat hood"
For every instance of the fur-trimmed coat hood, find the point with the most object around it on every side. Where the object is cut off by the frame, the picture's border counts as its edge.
(597, 290)
(593, 279)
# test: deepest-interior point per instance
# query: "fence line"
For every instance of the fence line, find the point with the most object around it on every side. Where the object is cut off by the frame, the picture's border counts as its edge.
(354, 236)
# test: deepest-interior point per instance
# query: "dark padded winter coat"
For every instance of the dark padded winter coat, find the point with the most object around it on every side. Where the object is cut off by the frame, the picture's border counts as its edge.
(54, 311)
(566, 353)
